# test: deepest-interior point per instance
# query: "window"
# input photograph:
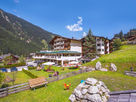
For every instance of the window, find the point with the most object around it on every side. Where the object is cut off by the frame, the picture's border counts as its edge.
(98, 44)
(98, 39)
(98, 49)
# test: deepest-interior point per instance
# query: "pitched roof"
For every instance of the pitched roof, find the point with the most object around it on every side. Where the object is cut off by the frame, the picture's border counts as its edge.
(132, 38)
(63, 38)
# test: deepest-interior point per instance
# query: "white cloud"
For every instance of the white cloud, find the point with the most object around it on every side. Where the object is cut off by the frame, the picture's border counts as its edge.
(16, 1)
(84, 34)
(77, 26)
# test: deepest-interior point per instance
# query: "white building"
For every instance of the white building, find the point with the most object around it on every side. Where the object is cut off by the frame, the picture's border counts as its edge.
(64, 51)
(102, 45)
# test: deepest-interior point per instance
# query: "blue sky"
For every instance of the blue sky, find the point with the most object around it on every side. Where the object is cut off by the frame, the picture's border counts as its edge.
(72, 18)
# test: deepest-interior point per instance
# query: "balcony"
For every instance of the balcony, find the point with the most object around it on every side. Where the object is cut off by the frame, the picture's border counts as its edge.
(58, 57)
(59, 43)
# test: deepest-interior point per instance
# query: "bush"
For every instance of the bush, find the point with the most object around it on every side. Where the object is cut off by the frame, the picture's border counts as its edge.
(73, 67)
(116, 44)
(31, 67)
(4, 85)
(13, 65)
(2, 77)
(29, 73)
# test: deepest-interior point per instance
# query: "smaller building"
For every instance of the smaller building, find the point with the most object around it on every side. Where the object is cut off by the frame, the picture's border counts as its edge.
(10, 58)
(103, 46)
(132, 40)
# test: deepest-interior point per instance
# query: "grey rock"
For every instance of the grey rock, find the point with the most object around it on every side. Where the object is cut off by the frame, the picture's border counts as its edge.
(91, 81)
(86, 86)
(78, 93)
(94, 98)
(84, 91)
(98, 66)
(113, 67)
(93, 90)
(72, 98)
(90, 91)
(84, 101)
(104, 69)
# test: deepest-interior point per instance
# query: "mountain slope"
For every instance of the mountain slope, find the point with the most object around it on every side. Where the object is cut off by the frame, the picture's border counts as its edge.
(18, 36)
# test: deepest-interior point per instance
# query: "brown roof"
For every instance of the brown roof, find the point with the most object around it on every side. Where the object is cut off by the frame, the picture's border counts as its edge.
(132, 38)
(63, 38)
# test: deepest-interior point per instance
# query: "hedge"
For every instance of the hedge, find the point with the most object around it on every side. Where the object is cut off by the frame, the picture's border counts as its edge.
(29, 73)
(31, 68)
(13, 65)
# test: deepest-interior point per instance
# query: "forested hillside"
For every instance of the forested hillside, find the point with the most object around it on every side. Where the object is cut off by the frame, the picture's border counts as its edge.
(19, 37)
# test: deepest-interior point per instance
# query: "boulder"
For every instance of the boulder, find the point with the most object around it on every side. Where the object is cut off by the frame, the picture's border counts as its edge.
(72, 98)
(91, 90)
(113, 67)
(104, 69)
(98, 66)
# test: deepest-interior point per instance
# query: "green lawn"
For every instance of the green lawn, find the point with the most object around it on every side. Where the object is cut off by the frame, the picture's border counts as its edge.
(55, 92)
(22, 77)
(115, 81)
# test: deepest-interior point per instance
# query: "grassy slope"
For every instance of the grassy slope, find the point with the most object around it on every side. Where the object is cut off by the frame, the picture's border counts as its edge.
(115, 81)
(123, 58)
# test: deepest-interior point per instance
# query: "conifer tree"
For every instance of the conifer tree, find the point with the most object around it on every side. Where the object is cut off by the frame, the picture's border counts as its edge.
(89, 45)
(121, 36)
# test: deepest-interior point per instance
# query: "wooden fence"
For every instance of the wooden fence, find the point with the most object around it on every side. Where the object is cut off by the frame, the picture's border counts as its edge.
(13, 89)
(25, 86)
(63, 76)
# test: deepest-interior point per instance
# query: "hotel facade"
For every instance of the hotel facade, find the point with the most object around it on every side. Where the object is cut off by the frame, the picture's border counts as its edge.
(66, 50)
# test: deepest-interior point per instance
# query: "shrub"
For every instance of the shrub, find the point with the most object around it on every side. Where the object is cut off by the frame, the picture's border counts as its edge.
(31, 67)
(29, 74)
(4, 85)
(116, 44)
(73, 67)
(2, 77)
(13, 65)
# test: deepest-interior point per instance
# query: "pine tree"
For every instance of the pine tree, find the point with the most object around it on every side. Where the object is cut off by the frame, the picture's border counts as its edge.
(89, 45)
(116, 44)
(121, 36)
(45, 44)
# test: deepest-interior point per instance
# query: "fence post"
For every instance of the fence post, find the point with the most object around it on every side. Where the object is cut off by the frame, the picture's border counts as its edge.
(7, 92)
(57, 77)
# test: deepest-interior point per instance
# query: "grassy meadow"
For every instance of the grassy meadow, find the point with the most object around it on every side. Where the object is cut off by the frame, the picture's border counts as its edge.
(123, 59)
(21, 77)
